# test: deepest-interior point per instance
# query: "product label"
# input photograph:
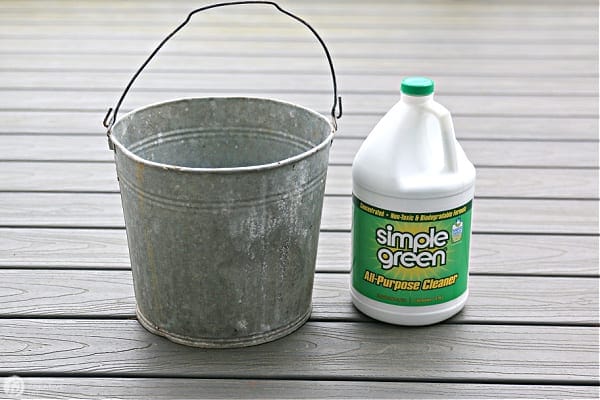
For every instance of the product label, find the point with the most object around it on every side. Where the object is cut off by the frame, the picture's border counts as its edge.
(410, 259)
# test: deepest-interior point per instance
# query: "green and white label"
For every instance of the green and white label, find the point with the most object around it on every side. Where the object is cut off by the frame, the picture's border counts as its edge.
(410, 259)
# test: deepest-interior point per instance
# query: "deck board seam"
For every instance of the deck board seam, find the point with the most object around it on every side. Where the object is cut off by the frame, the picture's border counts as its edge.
(308, 377)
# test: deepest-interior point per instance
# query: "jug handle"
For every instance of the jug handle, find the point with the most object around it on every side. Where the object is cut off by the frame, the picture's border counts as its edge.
(336, 109)
(447, 130)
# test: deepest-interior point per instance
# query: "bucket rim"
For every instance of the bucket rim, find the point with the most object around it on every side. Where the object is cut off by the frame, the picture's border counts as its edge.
(223, 170)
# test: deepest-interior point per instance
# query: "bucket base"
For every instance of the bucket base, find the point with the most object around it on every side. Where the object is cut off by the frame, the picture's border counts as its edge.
(225, 343)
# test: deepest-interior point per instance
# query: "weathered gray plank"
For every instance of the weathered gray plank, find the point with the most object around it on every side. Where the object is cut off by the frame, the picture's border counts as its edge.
(168, 389)
(355, 126)
(75, 293)
(490, 254)
(496, 353)
(54, 148)
(436, 7)
(99, 210)
(491, 182)
(380, 14)
(502, 182)
(140, 44)
(333, 13)
(265, 31)
(345, 10)
(19, 14)
(493, 299)
(375, 65)
(499, 153)
(351, 84)
(61, 210)
(495, 41)
(493, 254)
(568, 106)
(566, 183)
(63, 248)
(484, 127)
(51, 176)
(500, 216)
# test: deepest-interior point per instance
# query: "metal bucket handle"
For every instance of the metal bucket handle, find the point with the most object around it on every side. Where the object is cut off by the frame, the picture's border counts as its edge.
(336, 109)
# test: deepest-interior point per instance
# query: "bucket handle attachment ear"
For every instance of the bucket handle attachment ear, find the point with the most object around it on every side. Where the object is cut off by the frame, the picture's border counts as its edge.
(336, 109)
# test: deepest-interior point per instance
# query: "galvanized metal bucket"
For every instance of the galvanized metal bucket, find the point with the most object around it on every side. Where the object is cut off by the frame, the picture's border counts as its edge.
(222, 199)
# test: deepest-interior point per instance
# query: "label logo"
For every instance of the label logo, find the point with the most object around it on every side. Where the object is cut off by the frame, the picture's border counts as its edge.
(457, 231)
(424, 249)
(410, 259)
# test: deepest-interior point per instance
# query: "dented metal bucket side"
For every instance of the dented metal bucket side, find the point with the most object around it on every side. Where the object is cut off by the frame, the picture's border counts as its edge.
(223, 256)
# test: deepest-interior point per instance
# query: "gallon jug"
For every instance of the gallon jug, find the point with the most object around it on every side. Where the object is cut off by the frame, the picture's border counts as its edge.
(413, 189)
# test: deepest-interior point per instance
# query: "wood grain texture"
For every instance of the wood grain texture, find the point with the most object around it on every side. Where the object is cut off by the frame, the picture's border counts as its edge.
(488, 127)
(140, 44)
(503, 182)
(62, 210)
(521, 81)
(64, 177)
(499, 216)
(499, 153)
(506, 354)
(290, 31)
(437, 7)
(64, 248)
(493, 299)
(494, 254)
(67, 293)
(464, 67)
(103, 210)
(90, 100)
(380, 14)
(333, 12)
(490, 254)
(188, 388)
(491, 182)
(350, 126)
(350, 84)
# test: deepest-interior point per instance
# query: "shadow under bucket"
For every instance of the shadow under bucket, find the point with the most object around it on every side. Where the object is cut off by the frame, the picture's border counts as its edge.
(222, 199)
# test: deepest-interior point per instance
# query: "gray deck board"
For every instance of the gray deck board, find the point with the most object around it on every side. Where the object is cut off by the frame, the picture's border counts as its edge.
(505, 254)
(90, 100)
(168, 389)
(75, 177)
(103, 210)
(459, 67)
(66, 47)
(499, 216)
(260, 29)
(45, 122)
(291, 32)
(521, 81)
(500, 153)
(345, 350)
(197, 82)
(493, 299)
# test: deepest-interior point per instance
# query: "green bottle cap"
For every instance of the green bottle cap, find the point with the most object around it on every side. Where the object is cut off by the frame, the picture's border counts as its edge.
(417, 86)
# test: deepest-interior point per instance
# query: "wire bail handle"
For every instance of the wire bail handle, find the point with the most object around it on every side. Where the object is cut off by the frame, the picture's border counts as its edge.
(336, 109)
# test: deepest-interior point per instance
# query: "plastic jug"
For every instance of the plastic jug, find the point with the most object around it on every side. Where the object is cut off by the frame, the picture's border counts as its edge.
(413, 188)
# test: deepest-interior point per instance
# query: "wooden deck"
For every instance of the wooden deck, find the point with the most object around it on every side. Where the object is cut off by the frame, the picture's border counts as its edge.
(521, 79)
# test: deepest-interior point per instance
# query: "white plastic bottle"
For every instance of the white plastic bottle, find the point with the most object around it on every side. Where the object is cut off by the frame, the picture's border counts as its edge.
(413, 188)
